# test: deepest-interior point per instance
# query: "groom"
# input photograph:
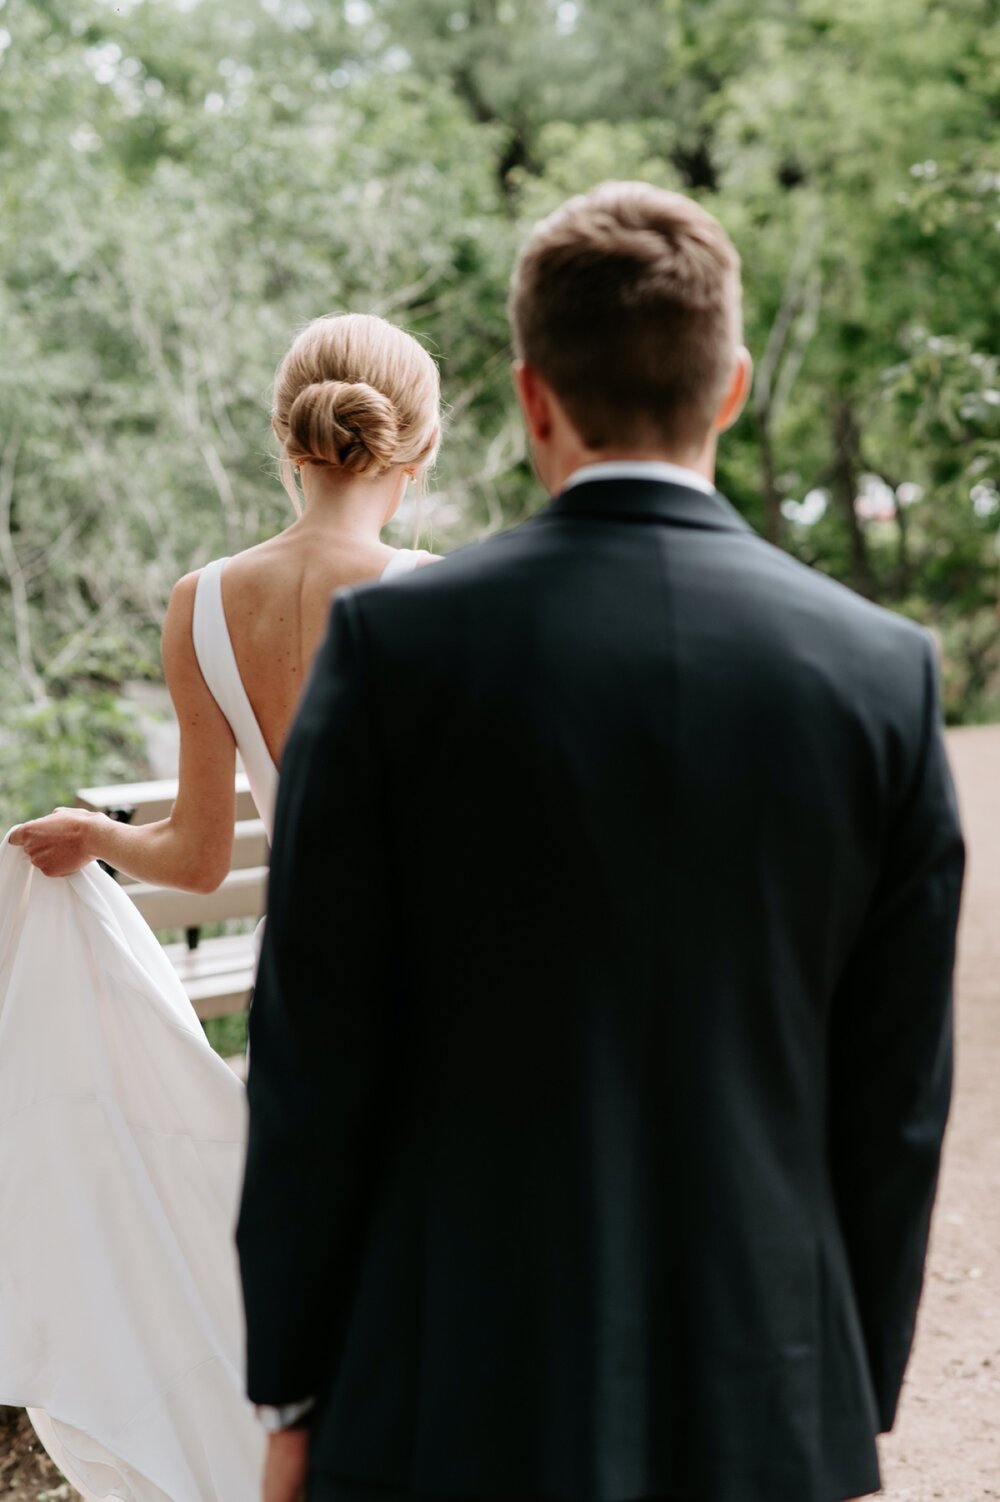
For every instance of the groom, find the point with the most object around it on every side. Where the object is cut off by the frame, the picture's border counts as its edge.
(601, 1049)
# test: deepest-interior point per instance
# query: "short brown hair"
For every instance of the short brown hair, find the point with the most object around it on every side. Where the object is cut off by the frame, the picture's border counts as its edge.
(626, 301)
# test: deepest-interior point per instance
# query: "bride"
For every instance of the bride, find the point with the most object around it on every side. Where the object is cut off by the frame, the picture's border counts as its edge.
(121, 1133)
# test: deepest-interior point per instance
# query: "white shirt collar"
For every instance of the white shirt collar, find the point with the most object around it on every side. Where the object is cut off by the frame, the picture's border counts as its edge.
(640, 469)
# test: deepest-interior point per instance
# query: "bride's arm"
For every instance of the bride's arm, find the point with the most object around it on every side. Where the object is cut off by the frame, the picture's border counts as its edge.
(193, 847)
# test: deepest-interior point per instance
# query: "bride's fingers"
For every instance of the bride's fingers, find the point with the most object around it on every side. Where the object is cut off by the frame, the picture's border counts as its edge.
(36, 828)
(54, 844)
(54, 857)
(36, 848)
(47, 861)
(30, 835)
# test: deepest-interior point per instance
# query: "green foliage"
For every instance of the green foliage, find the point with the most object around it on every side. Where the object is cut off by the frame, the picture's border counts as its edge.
(47, 752)
(227, 1035)
(183, 184)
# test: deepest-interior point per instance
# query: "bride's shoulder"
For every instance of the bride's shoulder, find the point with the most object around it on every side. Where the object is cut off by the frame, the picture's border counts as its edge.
(181, 602)
(176, 645)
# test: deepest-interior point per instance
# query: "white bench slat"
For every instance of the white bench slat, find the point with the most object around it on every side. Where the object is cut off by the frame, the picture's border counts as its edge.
(218, 975)
(213, 956)
(211, 999)
(242, 895)
(154, 800)
(250, 847)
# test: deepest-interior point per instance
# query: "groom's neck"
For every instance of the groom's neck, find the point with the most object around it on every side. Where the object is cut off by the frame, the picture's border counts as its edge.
(563, 465)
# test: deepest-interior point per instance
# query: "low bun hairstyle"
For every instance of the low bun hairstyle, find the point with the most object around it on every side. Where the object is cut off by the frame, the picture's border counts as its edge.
(344, 423)
(358, 394)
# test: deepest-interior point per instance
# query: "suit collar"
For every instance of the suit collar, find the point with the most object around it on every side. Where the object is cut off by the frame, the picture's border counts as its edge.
(648, 501)
(640, 469)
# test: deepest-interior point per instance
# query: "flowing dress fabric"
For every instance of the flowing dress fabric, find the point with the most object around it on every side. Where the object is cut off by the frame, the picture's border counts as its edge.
(122, 1141)
(121, 1154)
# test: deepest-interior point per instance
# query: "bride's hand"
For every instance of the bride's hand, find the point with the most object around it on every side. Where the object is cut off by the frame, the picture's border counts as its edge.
(58, 844)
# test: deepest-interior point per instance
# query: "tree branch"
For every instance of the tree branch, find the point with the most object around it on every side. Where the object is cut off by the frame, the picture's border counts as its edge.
(800, 300)
(791, 331)
(15, 575)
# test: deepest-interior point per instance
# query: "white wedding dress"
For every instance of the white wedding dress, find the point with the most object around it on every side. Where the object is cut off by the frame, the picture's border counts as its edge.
(121, 1158)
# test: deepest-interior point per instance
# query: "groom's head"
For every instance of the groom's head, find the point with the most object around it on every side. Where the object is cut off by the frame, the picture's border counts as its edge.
(625, 307)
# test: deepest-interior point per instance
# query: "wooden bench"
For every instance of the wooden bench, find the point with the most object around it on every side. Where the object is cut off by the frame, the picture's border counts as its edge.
(217, 972)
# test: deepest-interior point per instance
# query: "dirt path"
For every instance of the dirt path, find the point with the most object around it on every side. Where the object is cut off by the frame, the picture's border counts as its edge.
(26, 1472)
(947, 1440)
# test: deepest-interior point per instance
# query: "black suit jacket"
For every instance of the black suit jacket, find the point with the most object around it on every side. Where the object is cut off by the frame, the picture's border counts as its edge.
(601, 1050)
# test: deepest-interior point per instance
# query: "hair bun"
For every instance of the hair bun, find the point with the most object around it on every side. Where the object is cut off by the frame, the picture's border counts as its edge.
(345, 423)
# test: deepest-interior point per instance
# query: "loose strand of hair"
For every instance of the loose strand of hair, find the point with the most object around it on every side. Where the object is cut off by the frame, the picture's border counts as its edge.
(290, 480)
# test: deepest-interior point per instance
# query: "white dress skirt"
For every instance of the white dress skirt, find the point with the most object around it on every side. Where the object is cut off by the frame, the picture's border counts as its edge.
(121, 1158)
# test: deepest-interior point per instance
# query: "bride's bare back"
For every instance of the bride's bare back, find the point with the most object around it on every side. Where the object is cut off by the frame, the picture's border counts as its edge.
(277, 602)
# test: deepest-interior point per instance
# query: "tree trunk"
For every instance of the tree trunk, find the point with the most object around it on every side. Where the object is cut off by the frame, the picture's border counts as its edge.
(904, 568)
(846, 440)
(768, 487)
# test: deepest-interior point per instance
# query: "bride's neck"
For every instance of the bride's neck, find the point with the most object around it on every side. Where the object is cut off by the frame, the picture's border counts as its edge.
(354, 507)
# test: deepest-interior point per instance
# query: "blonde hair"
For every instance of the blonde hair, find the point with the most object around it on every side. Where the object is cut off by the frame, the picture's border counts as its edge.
(358, 394)
(627, 302)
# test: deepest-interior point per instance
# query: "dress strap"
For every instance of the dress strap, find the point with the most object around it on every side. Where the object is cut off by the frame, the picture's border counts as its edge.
(213, 648)
(404, 561)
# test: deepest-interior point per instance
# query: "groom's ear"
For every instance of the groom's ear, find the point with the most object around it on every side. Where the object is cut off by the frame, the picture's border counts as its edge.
(739, 389)
(535, 399)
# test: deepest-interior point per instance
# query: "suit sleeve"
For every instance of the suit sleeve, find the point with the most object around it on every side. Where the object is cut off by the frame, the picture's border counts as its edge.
(318, 1029)
(891, 1059)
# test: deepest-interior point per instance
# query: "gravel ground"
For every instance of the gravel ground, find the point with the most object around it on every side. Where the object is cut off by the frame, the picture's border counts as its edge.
(947, 1439)
(26, 1472)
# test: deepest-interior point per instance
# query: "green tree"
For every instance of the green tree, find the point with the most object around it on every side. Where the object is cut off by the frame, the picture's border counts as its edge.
(182, 185)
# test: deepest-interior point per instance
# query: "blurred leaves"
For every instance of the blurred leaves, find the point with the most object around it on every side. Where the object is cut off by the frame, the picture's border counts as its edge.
(183, 184)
